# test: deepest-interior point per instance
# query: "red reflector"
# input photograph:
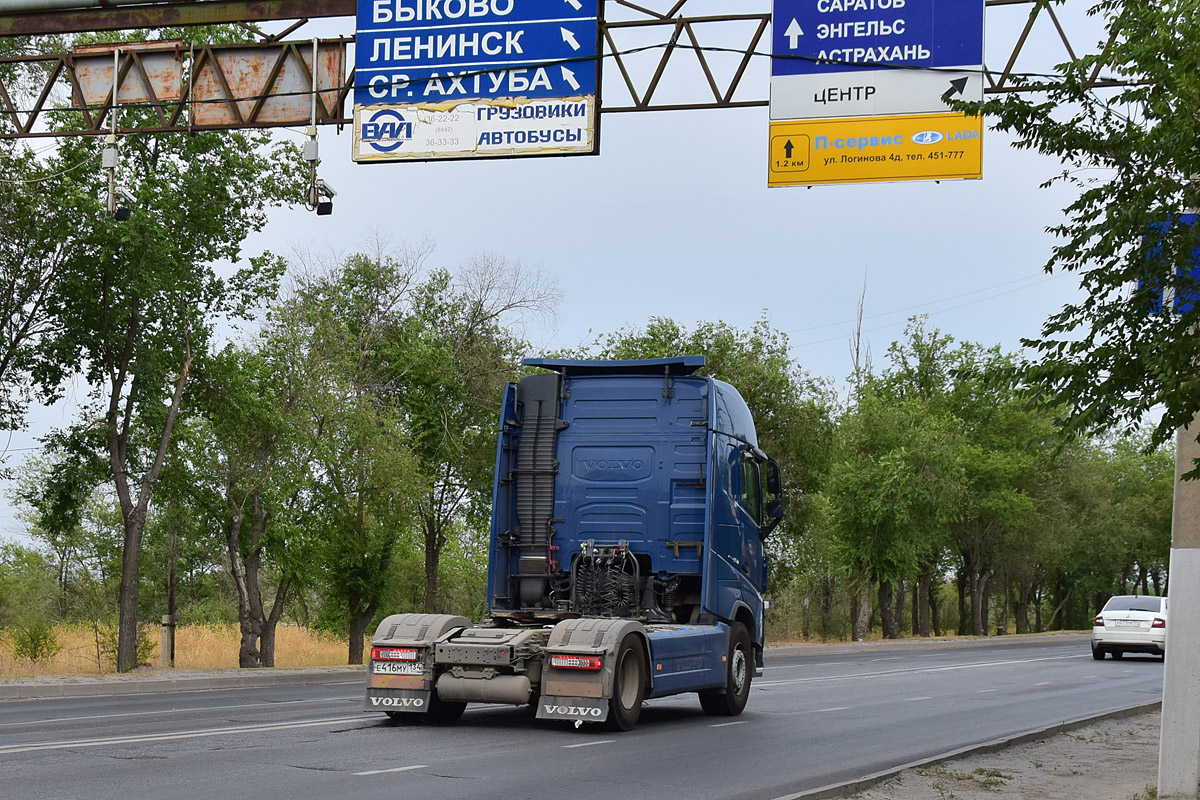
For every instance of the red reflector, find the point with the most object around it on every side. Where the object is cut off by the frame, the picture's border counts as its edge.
(576, 662)
(394, 653)
(1159, 622)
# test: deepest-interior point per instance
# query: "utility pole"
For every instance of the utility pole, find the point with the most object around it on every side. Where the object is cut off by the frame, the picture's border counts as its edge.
(1179, 747)
(1179, 743)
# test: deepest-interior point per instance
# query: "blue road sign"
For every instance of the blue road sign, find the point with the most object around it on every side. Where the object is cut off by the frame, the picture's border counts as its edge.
(1186, 291)
(827, 36)
(429, 51)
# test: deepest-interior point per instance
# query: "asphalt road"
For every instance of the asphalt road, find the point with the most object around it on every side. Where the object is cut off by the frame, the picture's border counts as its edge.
(812, 720)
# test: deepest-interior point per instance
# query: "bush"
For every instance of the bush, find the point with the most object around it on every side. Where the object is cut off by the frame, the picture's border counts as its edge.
(33, 639)
(107, 636)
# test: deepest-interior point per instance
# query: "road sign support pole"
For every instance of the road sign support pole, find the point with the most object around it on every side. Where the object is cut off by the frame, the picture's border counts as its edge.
(1179, 746)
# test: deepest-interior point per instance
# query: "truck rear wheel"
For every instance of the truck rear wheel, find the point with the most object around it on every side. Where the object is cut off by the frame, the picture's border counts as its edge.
(629, 684)
(730, 701)
(442, 712)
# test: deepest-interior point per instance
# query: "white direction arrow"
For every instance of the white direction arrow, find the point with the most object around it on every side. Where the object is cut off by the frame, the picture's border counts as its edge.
(569, 38)
(569, 77)
(793, 33)
(575, 4)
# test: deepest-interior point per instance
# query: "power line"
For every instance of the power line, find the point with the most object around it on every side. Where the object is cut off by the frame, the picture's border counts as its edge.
(941, 311)
(920, 305)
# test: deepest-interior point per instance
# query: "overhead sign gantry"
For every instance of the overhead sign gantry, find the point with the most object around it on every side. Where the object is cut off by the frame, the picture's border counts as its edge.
(451, 79)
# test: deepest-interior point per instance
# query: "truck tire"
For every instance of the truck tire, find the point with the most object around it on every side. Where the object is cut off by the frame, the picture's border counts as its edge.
(629, 684)
(442, 712)
(730, 701)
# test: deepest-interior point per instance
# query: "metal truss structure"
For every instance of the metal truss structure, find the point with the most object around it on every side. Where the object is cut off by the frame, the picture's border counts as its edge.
(657, 57)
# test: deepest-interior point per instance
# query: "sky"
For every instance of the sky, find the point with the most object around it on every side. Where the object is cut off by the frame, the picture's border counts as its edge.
(674, 219)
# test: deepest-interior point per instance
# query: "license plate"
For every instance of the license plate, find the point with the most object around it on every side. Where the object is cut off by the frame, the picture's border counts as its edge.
(397, 668)
(1126, 623)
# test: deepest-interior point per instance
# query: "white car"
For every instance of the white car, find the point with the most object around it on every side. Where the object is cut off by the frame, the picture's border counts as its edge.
(1130, 624)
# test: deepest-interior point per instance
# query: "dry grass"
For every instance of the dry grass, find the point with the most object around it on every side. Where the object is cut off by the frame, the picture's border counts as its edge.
(196, 647)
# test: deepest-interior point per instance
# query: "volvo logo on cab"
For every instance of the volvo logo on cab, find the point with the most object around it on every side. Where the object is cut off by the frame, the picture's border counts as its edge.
(387, 126)
(614, 463)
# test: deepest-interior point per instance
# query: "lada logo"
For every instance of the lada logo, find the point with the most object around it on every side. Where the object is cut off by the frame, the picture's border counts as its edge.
(927, 137)
(387, 125)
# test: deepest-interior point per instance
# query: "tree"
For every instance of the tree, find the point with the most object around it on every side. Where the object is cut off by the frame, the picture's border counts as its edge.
(35, 239)
(1133, 157)
(447, 362)
(243, 469)
(894, 486)
(137, 300)
(358, 496)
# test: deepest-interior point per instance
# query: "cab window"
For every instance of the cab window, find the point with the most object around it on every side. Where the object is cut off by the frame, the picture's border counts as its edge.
(750, 490)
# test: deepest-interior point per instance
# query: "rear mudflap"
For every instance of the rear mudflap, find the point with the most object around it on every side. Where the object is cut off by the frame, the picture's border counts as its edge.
(575, 709)
(414, 701)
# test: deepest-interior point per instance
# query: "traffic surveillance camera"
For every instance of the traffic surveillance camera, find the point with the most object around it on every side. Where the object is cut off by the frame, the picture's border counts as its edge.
(324, 190)
(121, 204)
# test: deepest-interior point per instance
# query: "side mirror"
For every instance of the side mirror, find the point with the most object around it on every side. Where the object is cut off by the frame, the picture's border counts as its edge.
(774, 506)
(774, 517)
(774, 480)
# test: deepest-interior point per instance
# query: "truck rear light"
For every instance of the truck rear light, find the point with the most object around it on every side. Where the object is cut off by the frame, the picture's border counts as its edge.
(393, 654)
(1098, 622)
(576, 662)
(1159, 622)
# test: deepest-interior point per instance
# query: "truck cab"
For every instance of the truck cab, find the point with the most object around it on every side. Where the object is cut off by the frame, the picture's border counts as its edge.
(631, 503)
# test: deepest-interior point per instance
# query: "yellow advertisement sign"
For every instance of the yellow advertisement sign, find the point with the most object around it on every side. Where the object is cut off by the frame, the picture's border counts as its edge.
(910, 147)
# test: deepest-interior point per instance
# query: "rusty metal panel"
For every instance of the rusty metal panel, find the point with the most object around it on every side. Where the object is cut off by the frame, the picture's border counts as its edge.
(267, 85)
(149, 71)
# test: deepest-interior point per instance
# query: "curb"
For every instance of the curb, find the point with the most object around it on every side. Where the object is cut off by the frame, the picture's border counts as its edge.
(156, 685)
(838, 790)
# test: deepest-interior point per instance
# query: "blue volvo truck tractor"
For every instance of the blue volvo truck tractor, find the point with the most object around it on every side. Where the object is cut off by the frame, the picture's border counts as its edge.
(630, 506)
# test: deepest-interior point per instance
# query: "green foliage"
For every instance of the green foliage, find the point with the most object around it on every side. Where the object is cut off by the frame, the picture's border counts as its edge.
(33, 639)
(1132, 155)
(107, 638)
(27, 584)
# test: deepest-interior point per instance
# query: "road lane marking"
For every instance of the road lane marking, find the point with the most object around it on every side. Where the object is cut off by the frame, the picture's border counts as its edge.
(811, 664)
(164, 737)
(914, 699)
(239, 706)
(588, 744)
(727, 724)
(393, 769)
(1044, 683)
(882, 673)
(986, 691)
(835, 708)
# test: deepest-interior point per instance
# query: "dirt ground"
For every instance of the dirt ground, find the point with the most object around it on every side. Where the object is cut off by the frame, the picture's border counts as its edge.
(1110, 760)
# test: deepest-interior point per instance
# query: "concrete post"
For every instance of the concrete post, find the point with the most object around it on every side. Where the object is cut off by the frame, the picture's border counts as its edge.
(168, 641)
(1179, 747)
